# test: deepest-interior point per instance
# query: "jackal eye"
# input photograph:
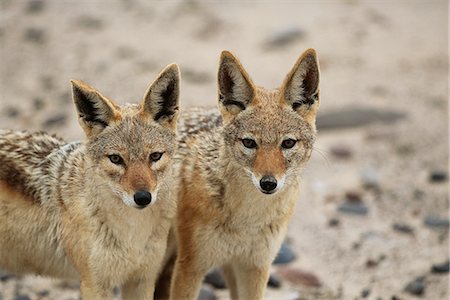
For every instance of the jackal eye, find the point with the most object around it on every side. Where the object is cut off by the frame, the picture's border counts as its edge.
(115, 159)
(155, 156)
(249, 143)
(288, 143)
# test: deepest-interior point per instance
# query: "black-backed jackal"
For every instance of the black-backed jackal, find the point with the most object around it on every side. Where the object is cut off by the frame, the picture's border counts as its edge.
(79, 210)
(239, 181)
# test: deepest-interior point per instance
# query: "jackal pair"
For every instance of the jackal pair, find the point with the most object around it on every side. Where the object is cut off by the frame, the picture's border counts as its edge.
(80, 210)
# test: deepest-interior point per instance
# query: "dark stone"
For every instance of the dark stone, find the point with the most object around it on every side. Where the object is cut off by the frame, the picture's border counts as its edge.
(283, 38)
(341, 151)
(353, 208)
(35, 6)
(215, 279)
(57, 120)
(403, 228)
(274, 282)
(395, 298)
(35, 35)
(206, 293)
(436, 222)
(285, 255)
(416, 287)
(299, 277)
(38, 103)
(441, 268)
(365, 293)
(334, 222)
(4, 276)
(22, 297)
(353, 197)
(12, 112)
(438, 176)
(43, 293)
(356, 117)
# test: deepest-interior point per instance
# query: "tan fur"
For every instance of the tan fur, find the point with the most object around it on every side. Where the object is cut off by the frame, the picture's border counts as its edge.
(64, 209)
(223, 218)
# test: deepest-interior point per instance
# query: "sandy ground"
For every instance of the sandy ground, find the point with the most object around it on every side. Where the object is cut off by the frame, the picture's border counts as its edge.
(380, 57)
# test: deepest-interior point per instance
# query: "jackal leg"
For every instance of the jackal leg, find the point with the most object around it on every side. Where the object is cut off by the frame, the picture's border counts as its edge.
(230, 278)
(91, 291)
(138, 289)
(251, 280)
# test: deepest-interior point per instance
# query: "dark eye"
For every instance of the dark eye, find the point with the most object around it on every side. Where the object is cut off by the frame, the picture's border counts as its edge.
(155, 156)
(249, 143)
(289, 143)
(116, 159)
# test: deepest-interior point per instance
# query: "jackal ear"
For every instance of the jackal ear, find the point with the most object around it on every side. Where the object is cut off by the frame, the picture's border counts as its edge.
(95, 111)
(161, 99)
(236, 89)
(300, 89)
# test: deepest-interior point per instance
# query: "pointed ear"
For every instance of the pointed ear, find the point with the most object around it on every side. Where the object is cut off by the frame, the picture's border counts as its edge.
(95, 112)
(161, 99)
(300, 89)
(236, 89)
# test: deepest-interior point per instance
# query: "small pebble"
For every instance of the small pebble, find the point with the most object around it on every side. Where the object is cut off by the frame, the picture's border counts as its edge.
(206, 293)
(4, 276)
(438, 176)
(215, 279)
(353, 197)
(353, 208)
(341, 151)
(56, 120)
(274, 282)
(285, 255)
(38, 103)
(365, 293)
(334, 222)
(12, 112)
(43, 293)
(403, 228)
(299, 277)
(22, 297)
(436, 222)
(35, 35)
(35, 6)
(416, 287)
(441, 268)
(370, 179)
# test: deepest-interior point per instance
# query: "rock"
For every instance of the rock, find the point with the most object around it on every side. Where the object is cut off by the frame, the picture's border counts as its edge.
(56, 120)
(12, 112)
(22, 297)
(441, 268)
(395, 298)
(38, 103)
(353, 197)
(215, 279)
(283, 37)
(341, 151)
(403, 228)
(416, 287)
(350, 117)
(90, 22)
(274, 282)
(370, 178)
(299, 277)
(35, 35)
(371, 263)
(285, 255)
(438, 176)
(353, 208)
(35, 6)
(434, 222)
(4, 276)
(365, 293)
(333, 222)
(206, 293)
(43, 293)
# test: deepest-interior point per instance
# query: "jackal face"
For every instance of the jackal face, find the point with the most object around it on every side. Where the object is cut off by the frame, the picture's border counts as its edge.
(269, 133)
(131, 147)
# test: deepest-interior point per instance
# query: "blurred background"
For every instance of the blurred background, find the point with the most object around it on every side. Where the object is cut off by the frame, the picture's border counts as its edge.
(372, 221)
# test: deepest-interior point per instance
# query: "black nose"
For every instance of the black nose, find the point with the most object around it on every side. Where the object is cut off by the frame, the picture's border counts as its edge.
(142, 198)
(268, 183)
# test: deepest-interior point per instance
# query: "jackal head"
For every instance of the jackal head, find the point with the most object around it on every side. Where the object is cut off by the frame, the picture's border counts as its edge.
(131, 147)
(270, 133)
